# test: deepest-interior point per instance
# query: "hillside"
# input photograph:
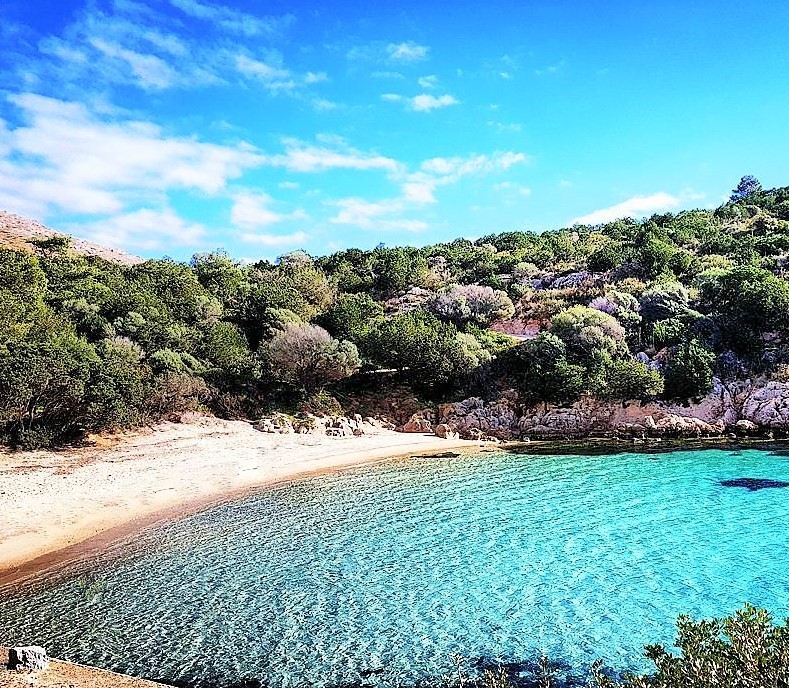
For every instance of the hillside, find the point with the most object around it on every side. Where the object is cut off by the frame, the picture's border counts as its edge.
(549, 331)
(17, 231)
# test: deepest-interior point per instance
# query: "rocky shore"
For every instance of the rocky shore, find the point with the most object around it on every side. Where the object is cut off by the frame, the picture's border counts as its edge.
(744, 408)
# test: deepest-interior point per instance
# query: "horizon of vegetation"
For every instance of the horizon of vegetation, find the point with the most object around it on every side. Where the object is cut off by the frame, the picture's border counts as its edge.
(624, 310)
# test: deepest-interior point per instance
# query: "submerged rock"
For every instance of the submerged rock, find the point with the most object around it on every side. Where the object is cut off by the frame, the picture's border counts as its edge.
(754, 484)
(29, 658)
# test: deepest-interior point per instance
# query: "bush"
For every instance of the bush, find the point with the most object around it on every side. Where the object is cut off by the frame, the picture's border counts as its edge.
(540, 371)
(471, 303)
(309, 357)
(627, 379)
(351, 316)
(585, 330)
(745, 650)
(688, 371)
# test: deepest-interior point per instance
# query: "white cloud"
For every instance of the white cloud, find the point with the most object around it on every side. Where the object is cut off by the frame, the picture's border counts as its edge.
(551, 69)
(565, 184)
(387, 75)
(128, 46)
(144, 229)
(151, 71)
(68, 157)
(458, 167)
(367, 215)
(233, 20)
(430, 81)
(288, 185)
(252, 210)
(315, 77)
(512, 188)
(323, 105)
(420, 187)
(275, 240)
(260, 70)
(407, 52)
(426, 102)
(303, 157)
(637, 206)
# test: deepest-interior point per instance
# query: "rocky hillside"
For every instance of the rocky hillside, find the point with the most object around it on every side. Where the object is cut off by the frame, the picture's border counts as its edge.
(19, 232)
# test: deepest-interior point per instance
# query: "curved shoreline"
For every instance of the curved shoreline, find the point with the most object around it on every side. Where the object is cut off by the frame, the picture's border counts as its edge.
(65, 507)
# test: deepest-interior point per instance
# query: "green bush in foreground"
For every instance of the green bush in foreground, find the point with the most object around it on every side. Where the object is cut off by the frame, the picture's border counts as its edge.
(745, 650)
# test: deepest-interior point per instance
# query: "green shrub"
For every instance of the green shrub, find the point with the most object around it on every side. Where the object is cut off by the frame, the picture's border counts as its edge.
(745, 650)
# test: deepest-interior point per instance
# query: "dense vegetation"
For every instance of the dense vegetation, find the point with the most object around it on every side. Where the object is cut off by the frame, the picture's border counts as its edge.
(628, 309)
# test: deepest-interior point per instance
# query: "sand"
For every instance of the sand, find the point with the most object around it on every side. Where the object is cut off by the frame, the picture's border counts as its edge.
(67, 675)
(58, 507)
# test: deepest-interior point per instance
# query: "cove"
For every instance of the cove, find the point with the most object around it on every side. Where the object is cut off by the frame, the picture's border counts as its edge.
(378, 574)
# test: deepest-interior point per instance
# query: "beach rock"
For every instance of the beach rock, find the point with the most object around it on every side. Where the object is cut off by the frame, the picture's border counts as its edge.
(473, 418)
(29, 658)
(421, 421)
(446, 431)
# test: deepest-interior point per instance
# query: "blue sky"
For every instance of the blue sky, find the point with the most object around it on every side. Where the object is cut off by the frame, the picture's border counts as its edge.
(177, 126)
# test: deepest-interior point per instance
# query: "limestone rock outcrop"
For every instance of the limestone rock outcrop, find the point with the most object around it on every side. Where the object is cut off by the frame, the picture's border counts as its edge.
(744, 407)
(333, 426)
(28, 658)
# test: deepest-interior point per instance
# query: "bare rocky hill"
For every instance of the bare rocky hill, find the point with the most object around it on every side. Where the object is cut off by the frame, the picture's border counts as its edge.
(20, 231)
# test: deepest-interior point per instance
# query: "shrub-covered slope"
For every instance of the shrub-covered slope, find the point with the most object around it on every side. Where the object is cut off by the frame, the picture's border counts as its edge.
(628, 309)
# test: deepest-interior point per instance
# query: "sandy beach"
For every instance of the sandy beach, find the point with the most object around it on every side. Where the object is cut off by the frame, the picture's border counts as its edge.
(62, 506)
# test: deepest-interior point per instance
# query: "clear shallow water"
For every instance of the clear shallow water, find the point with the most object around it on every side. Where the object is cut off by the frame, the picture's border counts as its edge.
(396, 566)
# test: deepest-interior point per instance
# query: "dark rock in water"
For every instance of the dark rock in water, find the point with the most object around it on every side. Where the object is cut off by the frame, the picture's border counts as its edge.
(440, 455)
(30, 658)
(754, 484)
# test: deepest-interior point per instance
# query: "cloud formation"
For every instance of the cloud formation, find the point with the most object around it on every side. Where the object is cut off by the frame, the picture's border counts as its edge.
(304, 157)
(424, 102)
(68, 157)
(144, 229)
(234, 20)
(253, 210)
(635, 207)
(407, 52)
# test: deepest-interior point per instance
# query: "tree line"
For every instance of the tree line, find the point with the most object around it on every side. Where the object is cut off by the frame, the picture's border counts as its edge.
(626, 310)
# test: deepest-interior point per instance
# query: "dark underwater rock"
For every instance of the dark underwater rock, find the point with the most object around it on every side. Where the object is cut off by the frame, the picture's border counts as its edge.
(754, 484)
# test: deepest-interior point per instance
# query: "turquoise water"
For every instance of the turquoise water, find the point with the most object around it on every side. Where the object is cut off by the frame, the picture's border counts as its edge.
(391, 568)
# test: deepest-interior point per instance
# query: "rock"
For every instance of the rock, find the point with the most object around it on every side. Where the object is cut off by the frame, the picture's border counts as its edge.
(417, 425)
(446, 431)
(30, 658)
(746, 427)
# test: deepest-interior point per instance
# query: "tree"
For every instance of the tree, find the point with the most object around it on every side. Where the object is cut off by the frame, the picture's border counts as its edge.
(351, 316)
(749, 186)
(747, 301)
(309, 357)
(664, 300)
(221, 276)
(688, 371)
(431, 351)
(540, 370)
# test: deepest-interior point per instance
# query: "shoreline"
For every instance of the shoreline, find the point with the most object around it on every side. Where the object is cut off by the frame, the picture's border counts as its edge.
(63, 508)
